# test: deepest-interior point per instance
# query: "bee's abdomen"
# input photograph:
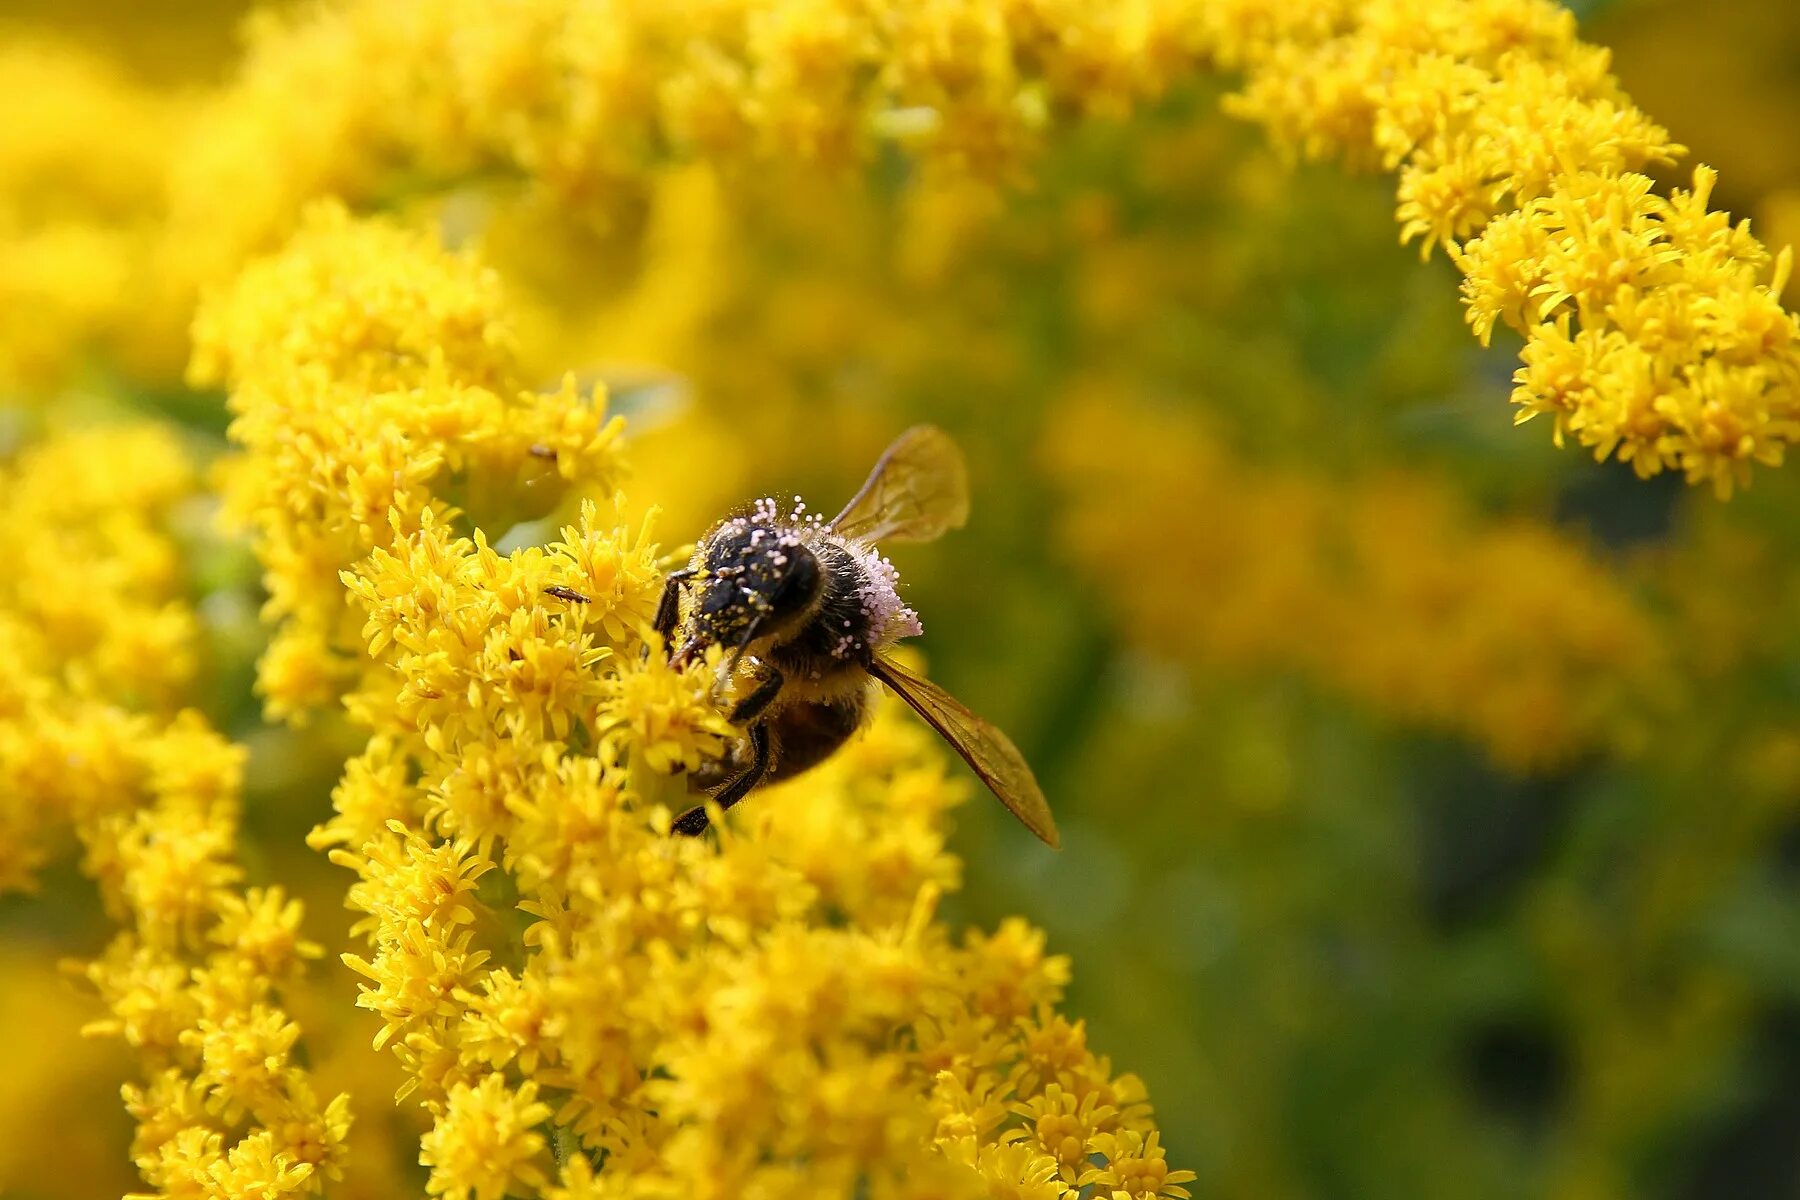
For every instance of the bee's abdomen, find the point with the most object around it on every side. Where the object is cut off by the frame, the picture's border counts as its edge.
(806, 734)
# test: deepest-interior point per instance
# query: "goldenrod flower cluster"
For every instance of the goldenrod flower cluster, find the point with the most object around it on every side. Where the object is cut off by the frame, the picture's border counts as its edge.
(585, 97)
(1385, 589)
(78, 228)
(100, 647)
(369, 378)
(577, 106)
(756, 228)
(1654, 327)
(582, 1003)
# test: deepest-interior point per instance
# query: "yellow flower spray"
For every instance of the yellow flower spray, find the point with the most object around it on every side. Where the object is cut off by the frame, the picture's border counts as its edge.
(585, 1005)
(369, 379)
(99, 648)
(1653, 326)
(1387, 589)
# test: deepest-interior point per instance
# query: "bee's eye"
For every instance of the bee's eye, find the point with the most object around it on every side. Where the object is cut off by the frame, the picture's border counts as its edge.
(759, 580)
(800, 580)
(719, 597)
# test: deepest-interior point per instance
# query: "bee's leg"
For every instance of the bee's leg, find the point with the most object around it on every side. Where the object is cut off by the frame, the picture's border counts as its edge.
(753, 705)
(740, 787)
(669, 607)
(693, 821)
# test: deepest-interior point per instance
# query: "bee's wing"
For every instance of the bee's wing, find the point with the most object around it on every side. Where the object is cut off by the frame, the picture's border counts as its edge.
(986, 749)
(918, 489)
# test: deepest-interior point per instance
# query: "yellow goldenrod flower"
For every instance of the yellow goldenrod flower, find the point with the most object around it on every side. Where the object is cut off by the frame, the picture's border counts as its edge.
(1506, 632)
(1486, 109)
(89, 739)
(486, 1140)
(243, 1059)
(1653, 326)
(577, 1004)
(78, 226)
(668, 717)
(371, 373)
(1135, 1167)
(777, 1014)
(408, 878)
(262, 926)
(254, 1167)
(417, 972)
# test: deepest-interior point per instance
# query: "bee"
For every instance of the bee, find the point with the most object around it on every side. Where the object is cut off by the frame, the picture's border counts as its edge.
(811, 610)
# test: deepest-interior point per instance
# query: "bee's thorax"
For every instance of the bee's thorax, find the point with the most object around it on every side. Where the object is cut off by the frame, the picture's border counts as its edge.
(788, 589)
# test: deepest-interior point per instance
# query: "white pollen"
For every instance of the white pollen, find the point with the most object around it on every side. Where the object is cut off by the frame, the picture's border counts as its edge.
(889, 617)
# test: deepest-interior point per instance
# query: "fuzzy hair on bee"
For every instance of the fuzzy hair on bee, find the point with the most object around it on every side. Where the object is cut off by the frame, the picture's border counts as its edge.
(808, 609)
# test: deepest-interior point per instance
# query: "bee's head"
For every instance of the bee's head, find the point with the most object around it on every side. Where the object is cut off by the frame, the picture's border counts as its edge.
(756, 577)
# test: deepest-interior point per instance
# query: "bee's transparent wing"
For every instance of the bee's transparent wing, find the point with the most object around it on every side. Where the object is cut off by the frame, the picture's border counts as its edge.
(918, 489)
(986, 749)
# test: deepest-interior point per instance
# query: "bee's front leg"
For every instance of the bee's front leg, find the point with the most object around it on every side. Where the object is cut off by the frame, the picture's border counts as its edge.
(694, 820)
(758, 701)
(669, 607)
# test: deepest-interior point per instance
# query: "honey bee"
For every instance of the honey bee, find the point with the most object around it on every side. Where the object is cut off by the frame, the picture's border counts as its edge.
(810, 610)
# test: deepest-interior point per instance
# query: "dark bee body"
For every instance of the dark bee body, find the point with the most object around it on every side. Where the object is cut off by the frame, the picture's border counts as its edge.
(801, 607)
(810, 732)
(836, 633)
(825, 660)
(808, 608)
(751, 577)
(801, 736)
